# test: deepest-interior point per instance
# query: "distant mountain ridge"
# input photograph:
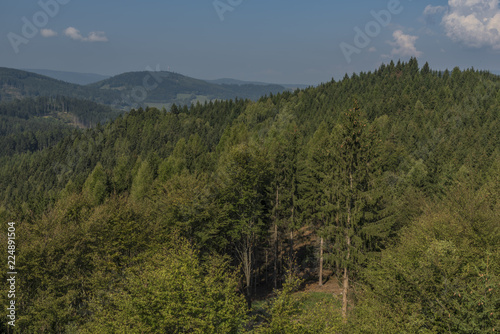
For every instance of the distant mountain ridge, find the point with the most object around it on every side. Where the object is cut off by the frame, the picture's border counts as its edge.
(18, 84)
(90, 78)
(71, 77)
(162, 86)
(132, 89)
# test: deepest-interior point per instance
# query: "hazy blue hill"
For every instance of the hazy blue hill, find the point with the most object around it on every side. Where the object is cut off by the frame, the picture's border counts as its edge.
(130, 89)
(71, 77)
(18, 84)
(172, 87)
(166, 86)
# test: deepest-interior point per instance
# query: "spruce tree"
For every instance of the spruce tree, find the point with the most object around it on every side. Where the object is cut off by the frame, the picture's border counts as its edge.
(283, 141)
(316, 185)
(354, 199)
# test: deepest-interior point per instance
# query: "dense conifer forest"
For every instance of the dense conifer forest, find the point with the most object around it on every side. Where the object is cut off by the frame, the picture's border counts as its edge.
(214, 217)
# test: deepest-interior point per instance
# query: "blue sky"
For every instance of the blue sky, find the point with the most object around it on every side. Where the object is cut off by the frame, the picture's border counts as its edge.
(277, 41)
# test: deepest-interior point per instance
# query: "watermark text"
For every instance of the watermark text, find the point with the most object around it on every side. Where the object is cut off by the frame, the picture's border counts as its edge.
(31, 27)
(11, 274)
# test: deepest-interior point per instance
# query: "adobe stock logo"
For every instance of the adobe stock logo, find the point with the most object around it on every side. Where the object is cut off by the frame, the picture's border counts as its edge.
(221, 7)
(40, 19)
(362, 39)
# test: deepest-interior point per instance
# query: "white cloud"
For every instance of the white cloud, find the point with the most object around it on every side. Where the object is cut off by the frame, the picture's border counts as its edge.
(404, 45)
(94, 36)
(48, 33)
(97, 36)
(475, 23)
(433, 10)
(433, 14)
(372, 49)
(73, 33)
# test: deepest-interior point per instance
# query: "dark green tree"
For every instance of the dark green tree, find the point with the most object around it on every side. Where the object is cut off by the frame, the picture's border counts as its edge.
(283, 145)
(355, 202)
(316, 187)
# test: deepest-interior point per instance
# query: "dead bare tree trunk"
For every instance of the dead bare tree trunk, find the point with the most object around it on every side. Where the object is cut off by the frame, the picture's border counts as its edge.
(245, 253)
(345, 287)
(275, 271)
(321, 262)
(267, 263)
(292, 252)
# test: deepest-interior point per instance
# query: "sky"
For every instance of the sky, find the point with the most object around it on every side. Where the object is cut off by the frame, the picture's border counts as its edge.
(277, 41)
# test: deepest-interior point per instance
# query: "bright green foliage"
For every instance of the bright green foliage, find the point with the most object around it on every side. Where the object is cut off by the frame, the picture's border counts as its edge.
(444, 274)
(189, 156)
(121, 180)
(142, 181)
(73, 252)
(96, 186)
(243, 174)
(283, 310)
(290, 312)
(184, 202)
(170, 291)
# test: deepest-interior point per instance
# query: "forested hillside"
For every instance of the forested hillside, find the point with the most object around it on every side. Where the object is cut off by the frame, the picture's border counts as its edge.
(71, 77)
(128, 90)
(163, 87)
(32, 124)
(178, 221)
(17, 84)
